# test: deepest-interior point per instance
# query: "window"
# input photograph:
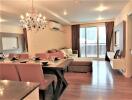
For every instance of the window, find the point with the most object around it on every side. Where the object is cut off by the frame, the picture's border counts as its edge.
(93, 41)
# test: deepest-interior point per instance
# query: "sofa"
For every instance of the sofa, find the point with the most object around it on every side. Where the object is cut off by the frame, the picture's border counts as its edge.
(62, 53)
(49, 55)
(78, 64)
(69, 53)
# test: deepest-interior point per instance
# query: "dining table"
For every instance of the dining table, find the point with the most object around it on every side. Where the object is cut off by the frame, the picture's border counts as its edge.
(16, 90)
(58, 68)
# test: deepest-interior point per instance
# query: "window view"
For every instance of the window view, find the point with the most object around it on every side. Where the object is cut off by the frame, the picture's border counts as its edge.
(102, 41)
(93, 42)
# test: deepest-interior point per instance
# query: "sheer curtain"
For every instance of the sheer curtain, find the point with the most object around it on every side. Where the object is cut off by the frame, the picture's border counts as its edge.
(76, 38)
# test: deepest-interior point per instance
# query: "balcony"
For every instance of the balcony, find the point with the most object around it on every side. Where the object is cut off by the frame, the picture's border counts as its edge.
(93, 50)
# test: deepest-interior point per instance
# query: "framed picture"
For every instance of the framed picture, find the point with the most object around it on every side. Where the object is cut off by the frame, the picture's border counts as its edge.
(117, 38)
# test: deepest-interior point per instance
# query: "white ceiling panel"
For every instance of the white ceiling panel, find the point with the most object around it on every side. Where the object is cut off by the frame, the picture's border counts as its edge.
(78, 11)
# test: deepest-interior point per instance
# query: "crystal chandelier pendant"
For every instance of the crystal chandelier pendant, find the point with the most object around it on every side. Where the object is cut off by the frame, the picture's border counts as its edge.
(33, 20)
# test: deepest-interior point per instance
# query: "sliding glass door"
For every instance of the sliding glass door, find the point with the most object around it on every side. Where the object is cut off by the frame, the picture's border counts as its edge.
(101, 41)
(93, 42)
(82, 42)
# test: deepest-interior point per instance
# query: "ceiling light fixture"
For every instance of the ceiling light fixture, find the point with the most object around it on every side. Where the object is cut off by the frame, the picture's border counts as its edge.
(77, 1)
(101, 8)
(100, 18)
(2, 20)
(65, 12)
(33, 20)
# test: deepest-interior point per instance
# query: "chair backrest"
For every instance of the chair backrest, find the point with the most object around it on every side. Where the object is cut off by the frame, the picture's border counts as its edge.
(9, 72)
(11, 55)
(30, 72)
(1, 72)
(23, 56)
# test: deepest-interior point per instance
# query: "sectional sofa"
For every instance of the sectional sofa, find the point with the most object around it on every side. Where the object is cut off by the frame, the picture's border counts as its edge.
(78, 64)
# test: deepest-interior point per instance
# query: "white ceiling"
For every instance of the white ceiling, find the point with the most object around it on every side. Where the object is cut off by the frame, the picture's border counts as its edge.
(79, 11)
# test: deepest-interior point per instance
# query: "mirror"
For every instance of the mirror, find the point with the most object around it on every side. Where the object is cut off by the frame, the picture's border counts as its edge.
(9, 43)
(119, 37)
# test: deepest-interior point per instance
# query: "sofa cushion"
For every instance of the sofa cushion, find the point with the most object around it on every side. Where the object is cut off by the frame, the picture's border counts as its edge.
(64, 53)
(52, 51)
(42, 55)
(58, 54)
(69, 51)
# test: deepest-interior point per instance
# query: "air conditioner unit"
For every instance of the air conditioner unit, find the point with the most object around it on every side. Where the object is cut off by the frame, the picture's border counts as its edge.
(55, 26)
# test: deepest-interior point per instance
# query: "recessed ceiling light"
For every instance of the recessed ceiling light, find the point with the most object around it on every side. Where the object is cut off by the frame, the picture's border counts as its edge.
(65, 12)
(100, 18)
(2, 20)
(77, 1)
(101, 8)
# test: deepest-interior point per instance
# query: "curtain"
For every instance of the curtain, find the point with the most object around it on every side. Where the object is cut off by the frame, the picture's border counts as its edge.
(109, 34)
(76, 38)
(25, 39)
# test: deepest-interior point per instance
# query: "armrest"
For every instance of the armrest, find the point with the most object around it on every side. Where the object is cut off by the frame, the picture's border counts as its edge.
(75, 51)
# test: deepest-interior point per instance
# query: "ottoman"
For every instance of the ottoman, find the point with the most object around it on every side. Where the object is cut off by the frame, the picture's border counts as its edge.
(80, 66)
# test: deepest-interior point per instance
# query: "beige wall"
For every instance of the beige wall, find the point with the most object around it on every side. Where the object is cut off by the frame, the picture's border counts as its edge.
(46, 39)
(43, 40)
(68, 35)
(10, 28)
(124, 16)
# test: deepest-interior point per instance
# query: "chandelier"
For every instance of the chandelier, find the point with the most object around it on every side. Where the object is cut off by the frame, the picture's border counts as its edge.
(33, 20)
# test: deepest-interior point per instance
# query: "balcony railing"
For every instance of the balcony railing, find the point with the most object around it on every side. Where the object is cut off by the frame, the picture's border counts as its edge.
(92, 50)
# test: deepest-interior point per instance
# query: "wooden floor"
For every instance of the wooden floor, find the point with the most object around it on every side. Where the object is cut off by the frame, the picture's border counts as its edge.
(102, 84)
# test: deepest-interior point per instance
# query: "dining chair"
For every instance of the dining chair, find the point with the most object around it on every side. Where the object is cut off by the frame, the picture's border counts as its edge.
(11, 55)
(23, 56)
(30, 72)
(0, 72)
(9, 72)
